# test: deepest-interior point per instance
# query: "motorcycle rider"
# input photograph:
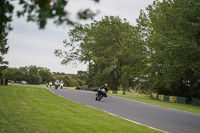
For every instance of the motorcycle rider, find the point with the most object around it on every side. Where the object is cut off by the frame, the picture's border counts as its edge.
(50, 83)
(61, 84)
(57, 84)
(47, 85)
(99, 91)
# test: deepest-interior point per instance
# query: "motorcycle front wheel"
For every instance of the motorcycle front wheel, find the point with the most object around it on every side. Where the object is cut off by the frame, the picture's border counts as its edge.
(100, 97)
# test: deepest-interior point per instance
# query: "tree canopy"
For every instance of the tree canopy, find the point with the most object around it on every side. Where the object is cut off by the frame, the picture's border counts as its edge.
(161, 53)
(171, 30)
(107, 45)
(41, 75)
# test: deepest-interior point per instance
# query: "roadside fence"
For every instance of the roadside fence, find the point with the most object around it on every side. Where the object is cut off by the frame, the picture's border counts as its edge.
(174, 99)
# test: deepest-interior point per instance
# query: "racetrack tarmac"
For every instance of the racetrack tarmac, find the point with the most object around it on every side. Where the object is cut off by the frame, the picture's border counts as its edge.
(164, 119)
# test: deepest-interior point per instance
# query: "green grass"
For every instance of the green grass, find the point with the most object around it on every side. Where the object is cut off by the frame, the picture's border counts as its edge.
(146, 99)
(25, 109)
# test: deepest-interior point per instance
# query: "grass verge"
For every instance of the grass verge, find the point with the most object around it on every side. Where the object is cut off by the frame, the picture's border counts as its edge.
(146, 99)
(25, 109)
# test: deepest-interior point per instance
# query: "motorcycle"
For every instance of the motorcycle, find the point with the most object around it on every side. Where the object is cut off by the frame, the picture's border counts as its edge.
(56, 86)
(50, 83)
(61, 85)
(100, 94)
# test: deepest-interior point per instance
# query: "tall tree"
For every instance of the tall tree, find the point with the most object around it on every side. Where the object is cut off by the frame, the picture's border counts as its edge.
(171, 30)
(45, 74)
(66, 78)
(82, 75)
(11, 74)
(6, 10)
(33, 75)
(107, 46)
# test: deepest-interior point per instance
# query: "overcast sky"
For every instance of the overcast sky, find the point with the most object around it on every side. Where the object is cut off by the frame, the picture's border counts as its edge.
(31, 46)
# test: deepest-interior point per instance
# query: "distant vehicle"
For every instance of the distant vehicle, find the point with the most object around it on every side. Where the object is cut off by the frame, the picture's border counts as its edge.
(24, 82)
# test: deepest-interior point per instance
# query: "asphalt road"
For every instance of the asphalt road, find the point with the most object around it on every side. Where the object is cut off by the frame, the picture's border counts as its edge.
(164, 119)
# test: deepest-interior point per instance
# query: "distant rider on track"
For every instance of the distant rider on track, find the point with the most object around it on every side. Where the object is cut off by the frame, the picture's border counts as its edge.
(57, 84)
(61, 84)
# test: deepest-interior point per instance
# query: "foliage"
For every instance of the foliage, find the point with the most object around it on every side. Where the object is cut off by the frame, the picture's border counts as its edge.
(66, 78)
(39, 11)
(29, 74)
(82, 75)
(171, 31)
(40, 75)
(46, 74)
(3, 50)
(107, 46)
(161, 53)
(6, 17)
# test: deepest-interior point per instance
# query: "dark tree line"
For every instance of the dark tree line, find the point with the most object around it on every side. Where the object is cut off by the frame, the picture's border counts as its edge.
(41, 75)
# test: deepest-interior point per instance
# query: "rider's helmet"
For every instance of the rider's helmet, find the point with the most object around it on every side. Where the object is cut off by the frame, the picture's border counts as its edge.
(106, 85)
